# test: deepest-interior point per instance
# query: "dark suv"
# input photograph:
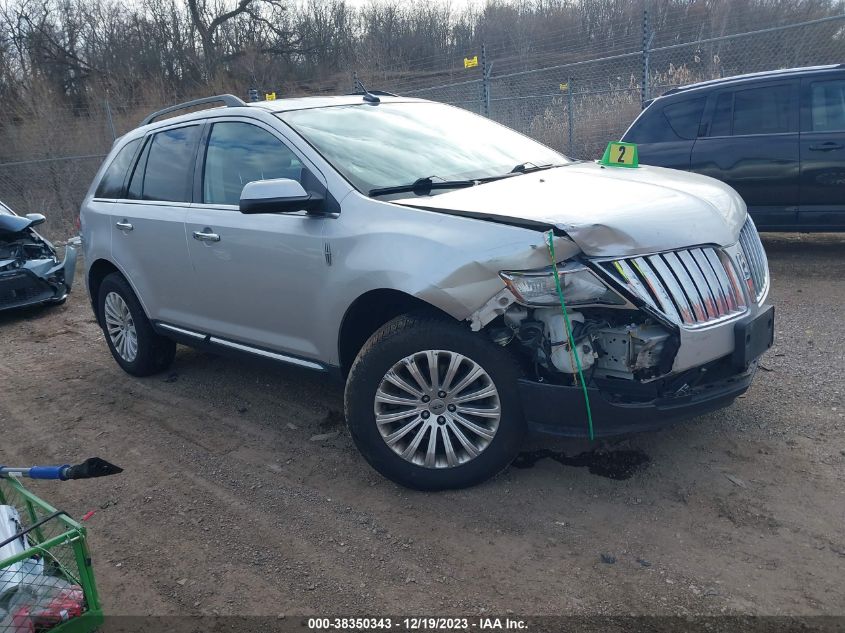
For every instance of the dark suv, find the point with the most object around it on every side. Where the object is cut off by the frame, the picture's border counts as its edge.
(777, 137)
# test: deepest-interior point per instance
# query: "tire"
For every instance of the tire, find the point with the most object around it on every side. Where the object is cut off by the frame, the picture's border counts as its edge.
(152, 353)
(414, 340)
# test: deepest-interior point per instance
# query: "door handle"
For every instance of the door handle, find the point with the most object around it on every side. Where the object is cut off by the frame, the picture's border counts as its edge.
(206, 236)
(123, 225)
(826, 147)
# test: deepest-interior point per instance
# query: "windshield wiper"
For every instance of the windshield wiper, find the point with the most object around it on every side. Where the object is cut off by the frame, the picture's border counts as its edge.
(527, 167)
(423, 186)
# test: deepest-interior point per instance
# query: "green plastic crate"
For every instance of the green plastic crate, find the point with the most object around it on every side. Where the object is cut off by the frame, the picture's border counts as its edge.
(58, 553)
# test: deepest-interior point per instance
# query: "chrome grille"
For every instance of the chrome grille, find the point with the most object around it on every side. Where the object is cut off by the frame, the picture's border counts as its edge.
(692, 286)
(755, 256)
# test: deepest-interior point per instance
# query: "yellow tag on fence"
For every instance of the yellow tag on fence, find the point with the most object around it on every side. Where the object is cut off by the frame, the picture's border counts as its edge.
(619, 154)
(564, 86)
(470, 62)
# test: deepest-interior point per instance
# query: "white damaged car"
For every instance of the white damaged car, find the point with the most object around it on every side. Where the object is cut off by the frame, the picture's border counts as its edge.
(400, 245)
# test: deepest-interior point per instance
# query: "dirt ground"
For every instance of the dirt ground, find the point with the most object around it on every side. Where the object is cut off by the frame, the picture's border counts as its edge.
(227, 505)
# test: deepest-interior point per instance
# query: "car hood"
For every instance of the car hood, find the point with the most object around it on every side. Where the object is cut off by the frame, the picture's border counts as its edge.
(606, 211)
(13, 223)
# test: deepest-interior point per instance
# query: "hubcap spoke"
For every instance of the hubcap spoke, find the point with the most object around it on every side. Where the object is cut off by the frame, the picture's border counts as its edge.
(402, 432)
(414, 370)
(433, 421)
(486, 392)
(467, 380)
(472, 426)
(451, 458)
(403, 384)
(387, 398)
(415, 443)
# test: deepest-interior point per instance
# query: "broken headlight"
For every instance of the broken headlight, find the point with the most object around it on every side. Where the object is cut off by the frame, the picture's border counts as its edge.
(579, 284)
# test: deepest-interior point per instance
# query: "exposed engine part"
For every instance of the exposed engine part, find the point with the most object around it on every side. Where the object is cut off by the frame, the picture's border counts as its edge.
(15, 253)
(562, 353)
(630, 351)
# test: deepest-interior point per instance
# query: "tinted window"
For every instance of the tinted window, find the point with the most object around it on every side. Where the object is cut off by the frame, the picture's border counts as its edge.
(827, 100)
(165, 167)
(672, 122)
(685, 117)
(239, 153)
(765, 110)
(111, 186)
(722, 115)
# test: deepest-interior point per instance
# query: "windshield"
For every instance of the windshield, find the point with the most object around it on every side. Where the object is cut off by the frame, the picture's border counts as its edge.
(396, 144)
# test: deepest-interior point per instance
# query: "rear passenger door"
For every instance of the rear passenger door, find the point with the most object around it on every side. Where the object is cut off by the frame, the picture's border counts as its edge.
(257, 276)
(148, 224)
(823, 153)
(750, 141)
(665, 132)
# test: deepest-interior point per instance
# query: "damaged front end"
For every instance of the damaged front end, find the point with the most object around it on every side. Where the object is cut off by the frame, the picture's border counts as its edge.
(659, 338)
(30, 271)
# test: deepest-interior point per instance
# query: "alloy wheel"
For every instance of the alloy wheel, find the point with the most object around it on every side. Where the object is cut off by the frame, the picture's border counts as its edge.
(121, 327)
(437, 409)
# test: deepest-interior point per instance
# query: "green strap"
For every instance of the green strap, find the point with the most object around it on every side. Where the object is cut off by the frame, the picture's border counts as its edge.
(550, 237)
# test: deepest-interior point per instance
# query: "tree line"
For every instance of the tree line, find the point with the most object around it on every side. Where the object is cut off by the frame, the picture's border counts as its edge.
(149, 51)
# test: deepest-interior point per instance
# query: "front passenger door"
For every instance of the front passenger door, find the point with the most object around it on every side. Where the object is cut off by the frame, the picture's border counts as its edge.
(257, 276)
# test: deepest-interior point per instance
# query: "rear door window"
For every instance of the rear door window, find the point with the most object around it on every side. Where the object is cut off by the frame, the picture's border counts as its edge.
(111, 186)
(763, 110)
(165, 168)
(827, 106)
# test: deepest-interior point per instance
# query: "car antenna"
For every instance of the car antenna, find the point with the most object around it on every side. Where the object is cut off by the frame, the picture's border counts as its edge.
(368, 96)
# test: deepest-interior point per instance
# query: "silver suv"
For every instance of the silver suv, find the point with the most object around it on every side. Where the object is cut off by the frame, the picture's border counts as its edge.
(401, 245)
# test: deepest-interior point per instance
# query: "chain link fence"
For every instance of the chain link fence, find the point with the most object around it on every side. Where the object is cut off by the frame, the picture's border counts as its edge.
(578, 106)
(573, 96)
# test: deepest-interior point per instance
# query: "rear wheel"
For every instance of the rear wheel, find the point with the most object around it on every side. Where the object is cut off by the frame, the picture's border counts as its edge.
(129, 334)
(432, 406)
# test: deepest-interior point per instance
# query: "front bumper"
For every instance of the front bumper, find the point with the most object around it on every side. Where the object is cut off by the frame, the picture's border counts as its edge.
(560, 410)
(25, 287)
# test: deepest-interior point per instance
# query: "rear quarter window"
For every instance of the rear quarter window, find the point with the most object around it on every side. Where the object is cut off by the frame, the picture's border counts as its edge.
(676, 121)
(111, 185)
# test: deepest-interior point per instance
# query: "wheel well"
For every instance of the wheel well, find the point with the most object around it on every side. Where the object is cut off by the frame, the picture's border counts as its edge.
(99, 270)
(368, 313)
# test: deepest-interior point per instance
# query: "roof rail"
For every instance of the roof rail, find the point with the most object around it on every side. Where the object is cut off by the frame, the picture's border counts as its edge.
(230, 101)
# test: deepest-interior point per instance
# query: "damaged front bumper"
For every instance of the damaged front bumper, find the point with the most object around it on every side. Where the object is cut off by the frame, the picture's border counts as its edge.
(621, 407)
(561, 411)
(38, 282)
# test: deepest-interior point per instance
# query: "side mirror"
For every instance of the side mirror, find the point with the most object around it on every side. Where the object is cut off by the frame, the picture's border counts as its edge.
(281, 195)
(35, 219)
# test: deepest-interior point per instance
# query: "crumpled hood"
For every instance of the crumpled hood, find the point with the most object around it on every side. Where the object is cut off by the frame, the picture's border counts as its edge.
(607, 211)
(13, 223)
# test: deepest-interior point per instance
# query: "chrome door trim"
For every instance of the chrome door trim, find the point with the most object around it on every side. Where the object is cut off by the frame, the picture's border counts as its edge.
(179, 330)
(292, 360)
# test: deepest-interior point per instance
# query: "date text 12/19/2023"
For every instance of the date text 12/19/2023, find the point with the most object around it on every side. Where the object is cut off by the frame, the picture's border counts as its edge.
(418, 624)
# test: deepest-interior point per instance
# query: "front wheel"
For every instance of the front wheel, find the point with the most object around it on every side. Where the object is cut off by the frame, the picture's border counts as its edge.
(432, 406)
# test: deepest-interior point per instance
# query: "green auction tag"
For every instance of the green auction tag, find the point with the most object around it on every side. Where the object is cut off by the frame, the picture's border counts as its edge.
(620, 154)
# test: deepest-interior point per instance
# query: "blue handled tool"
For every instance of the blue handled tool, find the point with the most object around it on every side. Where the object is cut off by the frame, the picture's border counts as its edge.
(92, 467)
